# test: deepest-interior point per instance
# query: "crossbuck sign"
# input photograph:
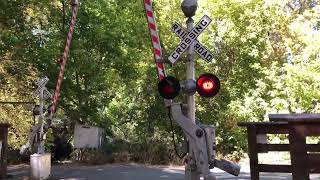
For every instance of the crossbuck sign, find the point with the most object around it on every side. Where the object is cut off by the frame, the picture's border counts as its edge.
(189, 38)
(41, 88)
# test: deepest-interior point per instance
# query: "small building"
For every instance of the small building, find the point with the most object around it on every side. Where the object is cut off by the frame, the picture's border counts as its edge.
(87, 136)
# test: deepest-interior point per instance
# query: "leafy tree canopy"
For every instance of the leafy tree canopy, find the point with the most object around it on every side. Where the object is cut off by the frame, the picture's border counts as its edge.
(265, 54)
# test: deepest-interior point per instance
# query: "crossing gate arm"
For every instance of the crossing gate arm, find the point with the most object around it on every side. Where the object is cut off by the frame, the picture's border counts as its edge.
(154, 38)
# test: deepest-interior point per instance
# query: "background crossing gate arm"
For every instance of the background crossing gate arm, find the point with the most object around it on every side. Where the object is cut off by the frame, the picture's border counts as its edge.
(75, 5)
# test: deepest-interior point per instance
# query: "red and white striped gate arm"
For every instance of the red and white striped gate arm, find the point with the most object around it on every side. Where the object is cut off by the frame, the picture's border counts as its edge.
(155, 39)
(75, 5)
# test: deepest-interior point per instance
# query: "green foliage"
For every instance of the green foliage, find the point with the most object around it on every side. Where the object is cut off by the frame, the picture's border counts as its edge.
(265, 54)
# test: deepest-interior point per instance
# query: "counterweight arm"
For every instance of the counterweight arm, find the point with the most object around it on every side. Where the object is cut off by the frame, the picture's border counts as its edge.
(201, 148)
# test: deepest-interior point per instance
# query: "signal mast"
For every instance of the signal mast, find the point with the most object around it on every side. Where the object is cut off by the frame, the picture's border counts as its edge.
(201, 138)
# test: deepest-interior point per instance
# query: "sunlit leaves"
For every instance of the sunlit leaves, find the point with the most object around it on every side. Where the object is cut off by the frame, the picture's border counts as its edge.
(266, 54)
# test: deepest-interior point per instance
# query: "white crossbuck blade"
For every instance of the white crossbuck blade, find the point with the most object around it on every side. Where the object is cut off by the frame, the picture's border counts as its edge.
(46, 93)
(199, 48)
(42, 82)
(190, 38)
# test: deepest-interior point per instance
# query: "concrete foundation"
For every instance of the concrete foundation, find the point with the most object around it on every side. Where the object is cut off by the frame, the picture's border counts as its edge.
(40, 166)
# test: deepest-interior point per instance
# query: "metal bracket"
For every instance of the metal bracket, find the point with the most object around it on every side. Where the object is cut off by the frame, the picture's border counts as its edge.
(166, 60)
(168, 102)
(197, 139)
(201, 138)
(163, 60)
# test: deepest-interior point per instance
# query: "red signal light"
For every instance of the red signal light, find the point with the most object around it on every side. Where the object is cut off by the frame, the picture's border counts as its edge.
(208, 85)
(169, 87)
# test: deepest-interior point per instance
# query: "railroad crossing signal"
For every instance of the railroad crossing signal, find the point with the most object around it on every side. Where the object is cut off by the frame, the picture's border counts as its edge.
(207, 85)
(190, 38)
(41, 86)
(199, 48)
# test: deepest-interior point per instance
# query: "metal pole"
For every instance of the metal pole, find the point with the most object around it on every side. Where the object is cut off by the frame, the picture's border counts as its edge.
(190, 73)
(191, 168)
(189, 8)
(41, 143)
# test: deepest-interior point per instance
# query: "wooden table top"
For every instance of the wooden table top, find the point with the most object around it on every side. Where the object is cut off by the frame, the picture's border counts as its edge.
(264, 123)
(6, 125)
(301, 117)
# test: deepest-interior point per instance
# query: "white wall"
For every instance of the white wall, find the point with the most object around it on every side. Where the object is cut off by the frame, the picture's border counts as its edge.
(87, 136)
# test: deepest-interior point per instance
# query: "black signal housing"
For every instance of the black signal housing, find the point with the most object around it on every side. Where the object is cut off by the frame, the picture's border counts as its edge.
(208, 85)
(169, 87)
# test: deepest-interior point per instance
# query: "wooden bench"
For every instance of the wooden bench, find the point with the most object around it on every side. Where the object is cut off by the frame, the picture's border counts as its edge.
(3, 150)
(304, 160)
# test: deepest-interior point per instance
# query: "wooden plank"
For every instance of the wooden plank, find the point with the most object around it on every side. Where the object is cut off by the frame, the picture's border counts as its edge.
(313, 160)
(285, 147)
(315, 170)
(274, 129)
(273, 147)
(295, 117)
(5, 125)
(4, 138)
(311, 128)
(267, 127)
(298, 153)
(308, 129)
(246, 124)
(253, 152)
(3, 159)
(275, 168)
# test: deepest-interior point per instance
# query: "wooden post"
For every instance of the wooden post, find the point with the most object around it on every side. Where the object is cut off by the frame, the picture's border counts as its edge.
(253, 152)
(4, 149)
(298, 152)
